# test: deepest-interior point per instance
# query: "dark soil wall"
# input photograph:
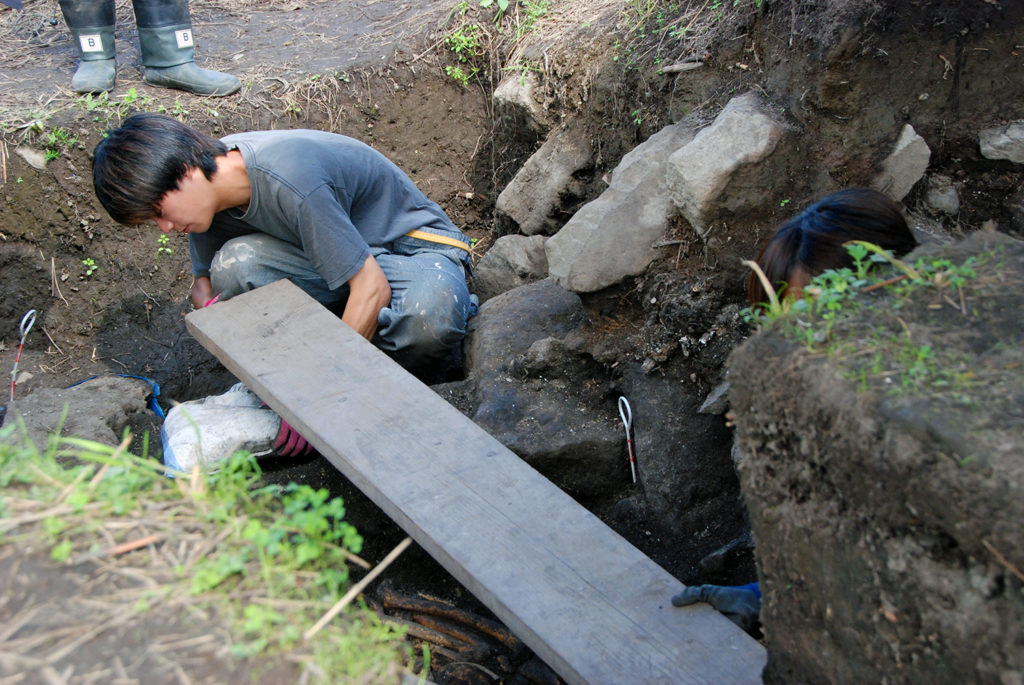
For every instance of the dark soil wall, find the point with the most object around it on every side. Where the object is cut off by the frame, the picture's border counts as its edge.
(887, 516)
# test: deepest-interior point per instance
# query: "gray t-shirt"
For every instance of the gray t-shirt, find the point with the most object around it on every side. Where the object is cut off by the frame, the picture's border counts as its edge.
(329, 194)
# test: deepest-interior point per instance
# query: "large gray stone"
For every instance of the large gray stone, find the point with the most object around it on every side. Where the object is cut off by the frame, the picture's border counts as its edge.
(97, 410)
(905, 166)
(534, 391)
(512, 261)
(743, 134)
(516, 102)
(1003, 142)
(613, 236)
(529, 203)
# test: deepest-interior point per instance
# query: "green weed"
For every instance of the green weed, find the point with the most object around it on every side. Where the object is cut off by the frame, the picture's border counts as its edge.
(110, 112)
(459, 75)
(163, 247)
(57, 141)
(90, 266)
(465, 42)
(532, 11)
(523, 68)
(502, 7)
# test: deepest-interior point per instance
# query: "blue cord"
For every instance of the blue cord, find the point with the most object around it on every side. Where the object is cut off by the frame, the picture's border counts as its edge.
(154, 405)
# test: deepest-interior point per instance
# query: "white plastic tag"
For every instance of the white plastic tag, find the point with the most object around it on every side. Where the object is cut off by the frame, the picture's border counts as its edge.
(184, 38)
(90, 42)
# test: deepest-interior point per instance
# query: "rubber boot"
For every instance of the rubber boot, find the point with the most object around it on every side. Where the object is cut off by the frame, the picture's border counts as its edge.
(165, 40)
(92, 26)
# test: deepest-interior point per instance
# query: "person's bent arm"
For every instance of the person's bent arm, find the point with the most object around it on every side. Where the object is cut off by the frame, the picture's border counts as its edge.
(202, 291)
(369, 292)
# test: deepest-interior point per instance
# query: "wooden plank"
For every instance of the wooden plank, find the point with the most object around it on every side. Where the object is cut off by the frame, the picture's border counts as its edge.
(586, 601)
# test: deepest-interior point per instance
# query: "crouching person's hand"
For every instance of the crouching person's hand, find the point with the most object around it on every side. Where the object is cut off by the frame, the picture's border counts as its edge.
(289, 443)
(740, 604)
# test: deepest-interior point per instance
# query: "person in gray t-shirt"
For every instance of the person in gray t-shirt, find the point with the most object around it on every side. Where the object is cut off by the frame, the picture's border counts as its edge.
(326, 211)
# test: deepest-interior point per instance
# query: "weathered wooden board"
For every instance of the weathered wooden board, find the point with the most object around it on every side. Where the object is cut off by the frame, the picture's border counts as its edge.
(586, 601)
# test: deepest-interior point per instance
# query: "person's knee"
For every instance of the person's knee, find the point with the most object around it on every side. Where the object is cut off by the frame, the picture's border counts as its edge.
(428, 326)
(436, 324)
(236, 268)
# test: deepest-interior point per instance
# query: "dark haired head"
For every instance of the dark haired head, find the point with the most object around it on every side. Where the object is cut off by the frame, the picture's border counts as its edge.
(138, 163)
(813, 241)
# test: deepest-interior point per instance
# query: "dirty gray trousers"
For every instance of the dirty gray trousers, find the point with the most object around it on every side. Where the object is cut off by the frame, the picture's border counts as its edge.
(430, 301)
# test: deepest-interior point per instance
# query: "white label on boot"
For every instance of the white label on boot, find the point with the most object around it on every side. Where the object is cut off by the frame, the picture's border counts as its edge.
(91, 42)
(184, 38)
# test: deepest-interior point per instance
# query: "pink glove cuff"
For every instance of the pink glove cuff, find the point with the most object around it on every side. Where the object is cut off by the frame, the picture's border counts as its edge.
(289, 443)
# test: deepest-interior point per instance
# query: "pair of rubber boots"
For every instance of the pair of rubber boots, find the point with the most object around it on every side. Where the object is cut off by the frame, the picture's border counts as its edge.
(165, 41)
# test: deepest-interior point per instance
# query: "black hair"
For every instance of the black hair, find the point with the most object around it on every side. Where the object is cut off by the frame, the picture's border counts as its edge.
(135, 165)
(814, 240)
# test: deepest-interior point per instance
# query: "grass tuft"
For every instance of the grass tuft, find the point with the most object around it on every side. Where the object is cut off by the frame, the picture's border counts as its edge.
(271, 559)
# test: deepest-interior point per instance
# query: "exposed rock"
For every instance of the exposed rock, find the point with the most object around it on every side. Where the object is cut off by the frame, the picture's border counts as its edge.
(98, 409)
(538, 397)
(1004, 142)
(515, 101)
(509, 324)
(512, 261)
(717, 401)
(887, 512)
(742, 134)
(530, 203)
(612, 237)
(905, 166)
(35, 158)
(941, 195)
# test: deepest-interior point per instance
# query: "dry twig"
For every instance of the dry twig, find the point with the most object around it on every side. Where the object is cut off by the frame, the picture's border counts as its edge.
(357, 588)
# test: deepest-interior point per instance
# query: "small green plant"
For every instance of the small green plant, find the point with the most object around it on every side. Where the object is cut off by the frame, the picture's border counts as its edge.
(456, 72)
(90, 266)
(532, 11)
(465, 42)
(638, 117)
(163, 247)
(57, 141)
(107, 111)
(502, 7)
(523, 68)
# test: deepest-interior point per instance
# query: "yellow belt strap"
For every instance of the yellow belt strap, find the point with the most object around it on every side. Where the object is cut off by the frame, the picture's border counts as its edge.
(434, 238)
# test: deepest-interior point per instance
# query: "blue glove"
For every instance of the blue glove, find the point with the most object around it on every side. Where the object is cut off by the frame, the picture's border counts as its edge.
(740, 604)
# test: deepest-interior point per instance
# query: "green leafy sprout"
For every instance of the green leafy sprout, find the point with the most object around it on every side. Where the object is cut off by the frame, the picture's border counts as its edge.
(109, 112)
(163, 246)
(90, 266)
(58, 140)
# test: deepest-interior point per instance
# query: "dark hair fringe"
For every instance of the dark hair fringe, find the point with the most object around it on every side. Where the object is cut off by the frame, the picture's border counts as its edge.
(814, 240)
(135, 165)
